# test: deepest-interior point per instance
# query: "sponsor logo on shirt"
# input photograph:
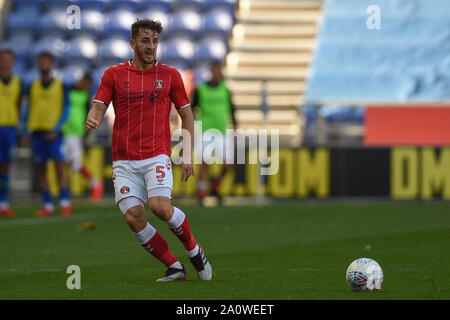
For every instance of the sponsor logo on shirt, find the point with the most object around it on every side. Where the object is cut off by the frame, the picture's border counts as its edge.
(154, 95)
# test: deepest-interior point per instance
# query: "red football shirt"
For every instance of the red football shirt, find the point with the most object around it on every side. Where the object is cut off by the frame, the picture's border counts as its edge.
(142, 101)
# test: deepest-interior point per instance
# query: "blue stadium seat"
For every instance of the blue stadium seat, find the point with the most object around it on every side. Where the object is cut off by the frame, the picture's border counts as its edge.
(93, 22)
(202, 74)
(209, 50)
(126, 5)
(58, 5)
(218, 22)
(71, 74)
(228, 5)
(155, 14)
(100, 5)
(28, 76)
(401, 62)
(20, 44)
(56, 46)
(178, 51)
(163, 5)
(185, 23)
(54, 20)
(27, 5)
(113, 51)
(119, 23)
(19, 21)
(194, 5)
(81, 49)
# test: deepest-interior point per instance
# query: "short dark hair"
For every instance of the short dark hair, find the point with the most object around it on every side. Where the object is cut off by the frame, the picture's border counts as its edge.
(45, 54)
(142, 24)
(7, 51)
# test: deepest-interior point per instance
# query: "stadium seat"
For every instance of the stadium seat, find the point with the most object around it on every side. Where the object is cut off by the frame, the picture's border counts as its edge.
(71, 74)
(194, 5)
(54, 20)
(93, 22)
(21, 21)
(28, 76)
(218, 22)
(228, 5)
(163, 5)
(56, 5)
(30, 8)
(20, 44)
(179, 51)
(126, 5)
(400, 62)
(81, 49)
(210, 49)
(155, 14)
(119, 23)
(186, 23)
(113, 51)
(56, 46)
(100, 5)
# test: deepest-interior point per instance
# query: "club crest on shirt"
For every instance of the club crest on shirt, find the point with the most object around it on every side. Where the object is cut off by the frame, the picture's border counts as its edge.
(124, 190)
(159, 84)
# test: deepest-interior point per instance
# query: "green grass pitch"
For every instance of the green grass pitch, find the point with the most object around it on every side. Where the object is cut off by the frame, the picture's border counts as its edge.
(286, 250)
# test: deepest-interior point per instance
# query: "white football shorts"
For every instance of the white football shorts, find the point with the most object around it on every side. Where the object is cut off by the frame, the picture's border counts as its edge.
(143, 179)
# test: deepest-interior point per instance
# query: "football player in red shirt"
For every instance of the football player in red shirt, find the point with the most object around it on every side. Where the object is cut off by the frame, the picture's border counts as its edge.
(142, 91)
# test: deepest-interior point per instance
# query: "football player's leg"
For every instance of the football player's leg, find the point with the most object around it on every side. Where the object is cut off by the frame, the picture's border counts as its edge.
(202, 184)
(147, 235)
(41, 155)
(130, 193)
(64, 195)
(7, 143)
(159, 182)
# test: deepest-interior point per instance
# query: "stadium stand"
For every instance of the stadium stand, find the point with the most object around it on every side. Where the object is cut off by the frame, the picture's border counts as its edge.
(270, 50)
(34, 26)
(405, 61)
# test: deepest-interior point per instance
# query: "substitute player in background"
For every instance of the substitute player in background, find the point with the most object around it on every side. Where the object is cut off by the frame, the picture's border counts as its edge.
(213, 99)
(47, 112)
(10, 93)
(73, 130)
(142, 91)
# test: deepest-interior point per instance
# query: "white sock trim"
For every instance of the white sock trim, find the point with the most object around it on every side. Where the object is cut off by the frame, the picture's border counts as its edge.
(146, 234)
(177, 218)
(176, 265)
(193, 252)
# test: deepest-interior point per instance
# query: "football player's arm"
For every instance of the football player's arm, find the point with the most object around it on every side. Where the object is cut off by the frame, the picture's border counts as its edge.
(101, 101)
(187, 125)
(183, 106)
(95, 116)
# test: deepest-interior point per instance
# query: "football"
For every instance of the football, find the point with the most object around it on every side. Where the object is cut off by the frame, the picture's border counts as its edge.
(364, 274)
